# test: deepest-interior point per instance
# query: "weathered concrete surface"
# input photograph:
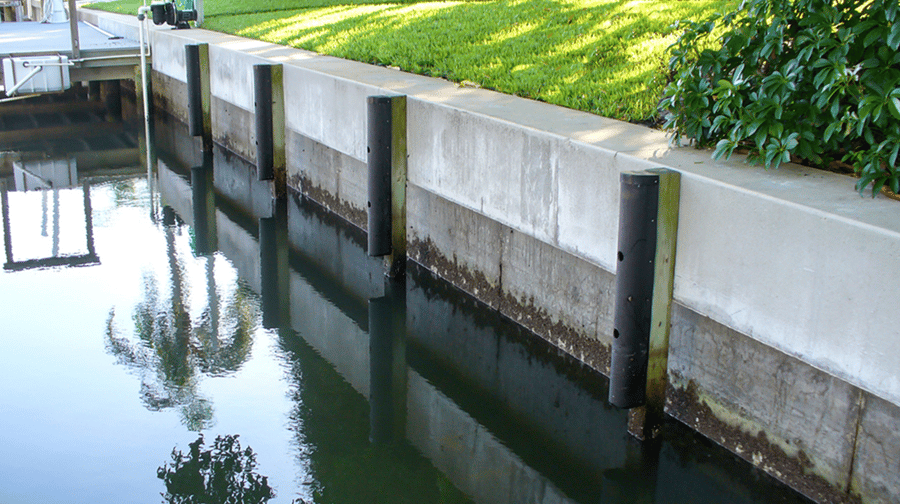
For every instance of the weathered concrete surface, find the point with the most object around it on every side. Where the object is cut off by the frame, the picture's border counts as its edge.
(876, 468)
(237, 181)
(455, 243)
(788, 418)
(333, 179)
(561, 297)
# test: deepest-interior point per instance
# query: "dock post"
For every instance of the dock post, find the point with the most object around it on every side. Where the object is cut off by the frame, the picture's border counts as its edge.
(387, 181)
(73, 31)
(94, 90)
(196, 57)
(112, 99)
(270, 139)
(648, 224)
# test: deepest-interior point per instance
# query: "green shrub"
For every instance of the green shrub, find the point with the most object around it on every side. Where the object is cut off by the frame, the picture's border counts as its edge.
(817, 79)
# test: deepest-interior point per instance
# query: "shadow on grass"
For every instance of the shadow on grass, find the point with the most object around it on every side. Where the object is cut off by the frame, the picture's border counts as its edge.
(607, 58)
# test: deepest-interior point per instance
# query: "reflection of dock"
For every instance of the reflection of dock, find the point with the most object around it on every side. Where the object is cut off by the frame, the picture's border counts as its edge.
(32, 177)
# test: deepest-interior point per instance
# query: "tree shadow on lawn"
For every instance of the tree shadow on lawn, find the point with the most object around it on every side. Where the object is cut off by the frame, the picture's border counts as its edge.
(605, 58)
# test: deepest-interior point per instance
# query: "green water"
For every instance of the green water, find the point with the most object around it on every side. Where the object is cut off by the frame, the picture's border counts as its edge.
(226, 346)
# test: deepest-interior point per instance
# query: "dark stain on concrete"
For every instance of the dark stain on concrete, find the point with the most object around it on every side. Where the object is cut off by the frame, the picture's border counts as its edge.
(685, 405)
(588, 350)
(476, 283)
(355, 216)
(581, 346)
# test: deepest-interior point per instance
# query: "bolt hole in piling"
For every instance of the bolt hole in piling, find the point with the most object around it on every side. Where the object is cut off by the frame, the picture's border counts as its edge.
(615, 333)
(621, 257)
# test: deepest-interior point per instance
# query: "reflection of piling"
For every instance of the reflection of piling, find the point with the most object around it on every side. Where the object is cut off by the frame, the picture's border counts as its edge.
(387, 181)
(88, 220)
(269, 113)
(273, 266)
(7, 235)
(636, 480)
(196, 58)
(203, 202)
(387, 364)
(648, 221)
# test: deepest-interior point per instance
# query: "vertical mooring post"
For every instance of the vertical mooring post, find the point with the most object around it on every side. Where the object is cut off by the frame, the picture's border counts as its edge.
(270, 140)
(648, 224)
(196, 60)
(387, 181)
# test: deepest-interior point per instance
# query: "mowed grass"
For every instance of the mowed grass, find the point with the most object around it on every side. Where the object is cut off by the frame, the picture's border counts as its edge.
(607, 57)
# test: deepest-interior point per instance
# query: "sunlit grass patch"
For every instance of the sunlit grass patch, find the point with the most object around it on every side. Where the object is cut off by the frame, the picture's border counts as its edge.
(603, 56)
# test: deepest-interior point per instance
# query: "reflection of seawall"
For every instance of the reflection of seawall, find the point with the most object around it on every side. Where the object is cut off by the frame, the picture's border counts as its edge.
(468, 454)
(332, 318)
(484, 402)
(561, 405)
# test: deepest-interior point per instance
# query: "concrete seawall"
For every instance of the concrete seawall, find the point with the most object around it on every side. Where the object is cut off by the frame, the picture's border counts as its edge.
(783, 347)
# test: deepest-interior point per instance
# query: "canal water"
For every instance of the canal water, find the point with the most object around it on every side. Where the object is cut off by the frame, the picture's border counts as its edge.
(173, 332)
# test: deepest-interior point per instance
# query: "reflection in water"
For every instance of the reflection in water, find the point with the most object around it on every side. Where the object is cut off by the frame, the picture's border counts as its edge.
(55, 258)
(356, 392)
(332, 431)
(223, 474)
(172, 349)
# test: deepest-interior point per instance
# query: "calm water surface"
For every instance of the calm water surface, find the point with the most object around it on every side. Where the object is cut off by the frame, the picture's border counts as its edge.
(217, 328)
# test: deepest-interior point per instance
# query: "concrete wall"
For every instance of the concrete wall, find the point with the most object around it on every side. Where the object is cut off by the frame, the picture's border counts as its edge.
(517, 202)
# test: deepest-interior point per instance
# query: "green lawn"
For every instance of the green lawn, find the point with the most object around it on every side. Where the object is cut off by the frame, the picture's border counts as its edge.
(607, 57)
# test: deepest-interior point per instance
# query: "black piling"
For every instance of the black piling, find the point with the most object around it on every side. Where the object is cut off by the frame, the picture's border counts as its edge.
(194, 89)
(379, 164)
(648, 226)
(634, 289)
(262, 88)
